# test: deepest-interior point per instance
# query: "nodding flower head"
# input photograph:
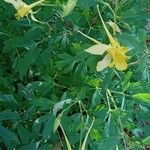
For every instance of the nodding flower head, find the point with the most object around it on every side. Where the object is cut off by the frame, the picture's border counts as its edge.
(116, 54)
(23, 9)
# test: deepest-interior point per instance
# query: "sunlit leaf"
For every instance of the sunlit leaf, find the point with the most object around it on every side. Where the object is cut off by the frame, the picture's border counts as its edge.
(68, 7)
(59, 105)
(143, 97)
(146, 141)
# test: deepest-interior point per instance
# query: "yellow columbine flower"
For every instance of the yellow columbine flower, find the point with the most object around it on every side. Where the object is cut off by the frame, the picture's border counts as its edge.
(115, 52)
(23, 10)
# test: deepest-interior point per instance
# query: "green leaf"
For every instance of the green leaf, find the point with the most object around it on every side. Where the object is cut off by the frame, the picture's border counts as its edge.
(7, 98)
(67, 62)
(24, 134)
(108, 143)
(143, 97)
(47, 147)
(32, 146)
(23, 64)
(42, 103)
(107, 81)
(133, 12)
(60, 105)
(8, 115)
(26, 40)
(94, 82)
(96, 97)
(95, 135)
(10, 139)
(84, 4)
(146, 141)
(48, 128)
(45, 73)
(41, 88)
(132, 42)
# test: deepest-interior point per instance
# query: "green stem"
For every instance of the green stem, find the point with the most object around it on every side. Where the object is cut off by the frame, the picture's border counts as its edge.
(120, 93)
(123, 102)
(66, 139)
(116, 10)
(35, 4)
(119, 121)
(69, 106)
(80, 144)
(108, 6)
(92, 39)
(108, 102)
(85, 140)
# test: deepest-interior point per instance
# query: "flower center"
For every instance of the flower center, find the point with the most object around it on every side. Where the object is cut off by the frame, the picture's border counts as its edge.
(23, 11)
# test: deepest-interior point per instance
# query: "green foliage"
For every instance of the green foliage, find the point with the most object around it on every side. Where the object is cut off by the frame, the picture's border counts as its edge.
(146, 141)
(50, 90)
(145, 97)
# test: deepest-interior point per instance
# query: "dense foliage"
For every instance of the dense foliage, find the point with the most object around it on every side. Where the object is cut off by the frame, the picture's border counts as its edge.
(52, 97)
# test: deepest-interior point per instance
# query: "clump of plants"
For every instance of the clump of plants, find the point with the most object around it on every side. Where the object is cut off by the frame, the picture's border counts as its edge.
(74, 74)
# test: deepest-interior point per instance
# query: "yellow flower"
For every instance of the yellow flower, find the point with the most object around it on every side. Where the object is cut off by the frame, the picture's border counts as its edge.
(115, 52)
(119, 59)
(23, 10)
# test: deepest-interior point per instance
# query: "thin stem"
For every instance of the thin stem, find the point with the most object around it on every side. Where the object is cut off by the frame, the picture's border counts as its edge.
(119, 120)
(69, 106)
(123, 102)
(80, 144)
(83, 107)
(122, 133)
(86, 137)
(116, 10)
(120, 93)
(109, 107)
(133, 63)
(117, 147)
(111, 97)
(108, 7)
(66, 139)
(92, 39)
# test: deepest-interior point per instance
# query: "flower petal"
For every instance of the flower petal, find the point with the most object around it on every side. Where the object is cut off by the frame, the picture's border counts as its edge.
(104, 63)
(114, 26)
(24, 11)
(98, 49)
(111, 65)
(121, 66)
(68, 7)
(17, 4)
